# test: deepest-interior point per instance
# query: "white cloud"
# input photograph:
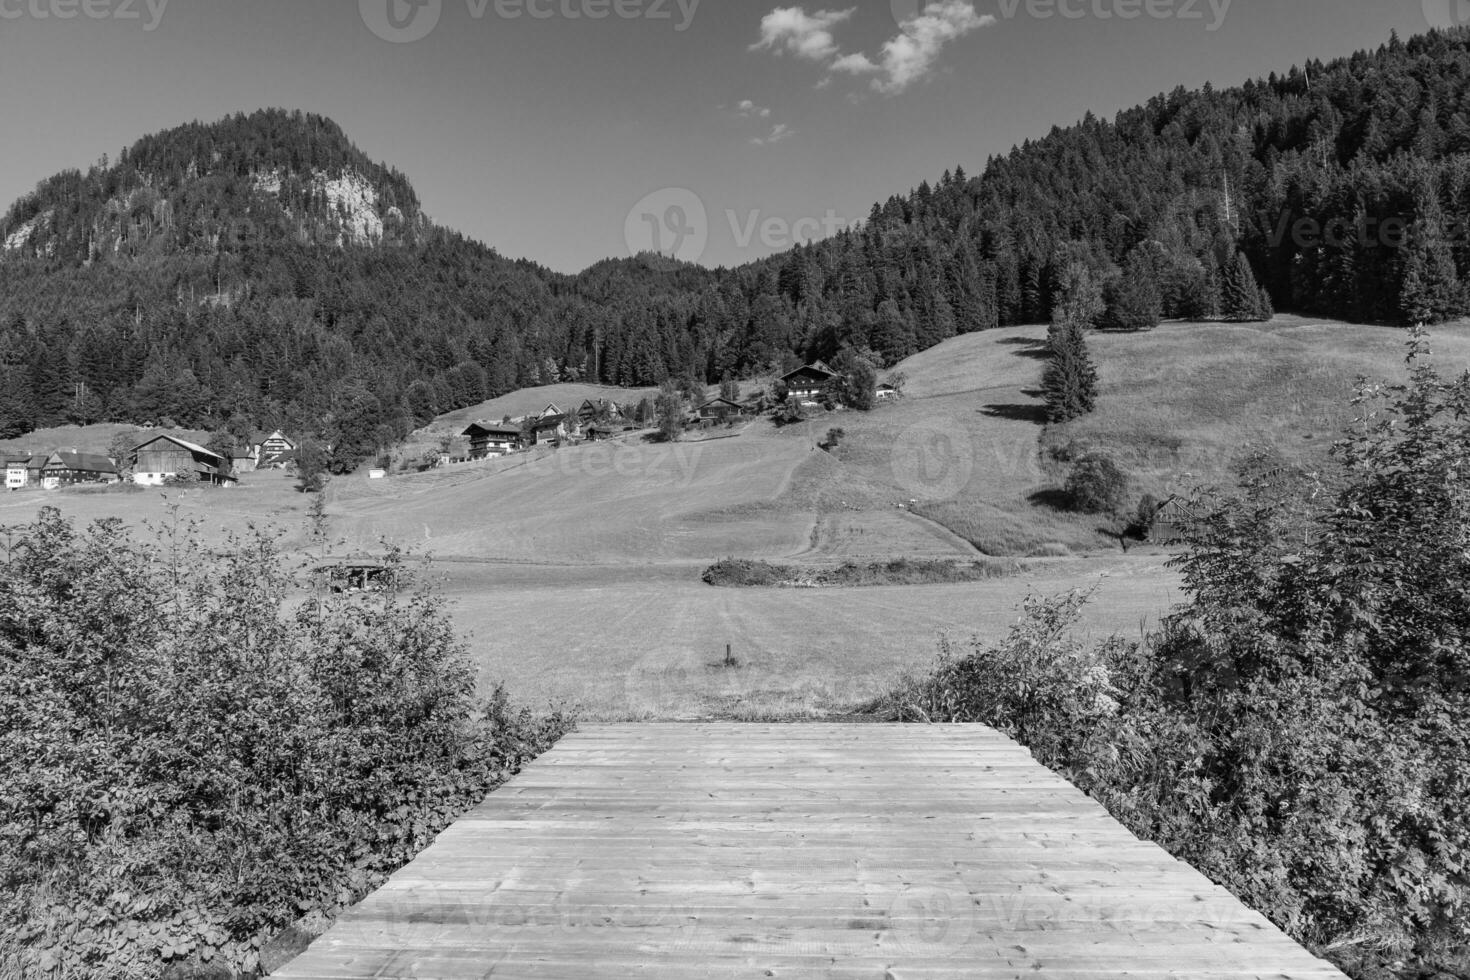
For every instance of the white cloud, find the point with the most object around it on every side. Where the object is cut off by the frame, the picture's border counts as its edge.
(750, 110)
(912, 55)
(909, 57)
(780, 132)
(804, 35)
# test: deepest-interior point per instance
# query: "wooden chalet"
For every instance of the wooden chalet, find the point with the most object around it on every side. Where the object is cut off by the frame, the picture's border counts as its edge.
(550, 411)
(719, 409)
(163, 457)
(489, 439)
(68, 469)
(600, 433)
(1172, 522)
(552, 429)
(274, 451)
(886, 393)
(601, 410)
(810, 383)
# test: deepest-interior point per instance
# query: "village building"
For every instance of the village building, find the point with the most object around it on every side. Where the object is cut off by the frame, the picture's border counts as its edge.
(275, 451)
(811, 383)
(492, 439)
(552, 430)
(886, 393)
(601, 410)
(17, 472)
(165, 457)
(1172, 522)
(550, 411)
(600, 433)
(67, 469)
(720, 409)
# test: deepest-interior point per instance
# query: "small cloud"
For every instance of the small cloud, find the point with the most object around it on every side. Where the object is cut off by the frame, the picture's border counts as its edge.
(750, 110)
(780, 132)
(853, 64)
(909, 57)
(793, 30)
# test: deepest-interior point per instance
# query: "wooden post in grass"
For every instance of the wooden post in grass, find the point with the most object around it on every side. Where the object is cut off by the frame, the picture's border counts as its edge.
(729, 656)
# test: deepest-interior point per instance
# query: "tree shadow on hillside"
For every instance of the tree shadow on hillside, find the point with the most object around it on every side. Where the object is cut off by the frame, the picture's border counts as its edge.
(1028, 412)
(1052, 498)
(1037, 350)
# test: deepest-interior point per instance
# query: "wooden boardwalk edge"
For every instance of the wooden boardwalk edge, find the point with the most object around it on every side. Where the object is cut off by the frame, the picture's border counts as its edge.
(878, 852)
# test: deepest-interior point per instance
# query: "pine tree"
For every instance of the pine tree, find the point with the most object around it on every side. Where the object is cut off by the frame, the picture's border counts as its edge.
(1070, 381)
(1241, 301)
(1134, 299)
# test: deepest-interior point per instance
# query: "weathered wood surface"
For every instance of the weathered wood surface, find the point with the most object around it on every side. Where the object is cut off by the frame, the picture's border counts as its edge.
(849, 852)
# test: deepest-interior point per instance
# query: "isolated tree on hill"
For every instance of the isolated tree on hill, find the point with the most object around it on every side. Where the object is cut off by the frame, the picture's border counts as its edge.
(857, 381)
(1079, 296)
(644, 413)
(1070, 381)
(1134, 299)
(670, 410)
(1243, 300)
(311, 466)
(1096, 485)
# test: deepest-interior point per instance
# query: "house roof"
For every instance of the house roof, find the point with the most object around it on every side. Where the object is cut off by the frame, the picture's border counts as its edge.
(492, 429)
(191, 446)
(549, 421)
(83, 462)
(817, 368)
(720, 401)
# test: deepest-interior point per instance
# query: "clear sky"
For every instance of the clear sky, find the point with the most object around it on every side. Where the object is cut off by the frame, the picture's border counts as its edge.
(556, 134)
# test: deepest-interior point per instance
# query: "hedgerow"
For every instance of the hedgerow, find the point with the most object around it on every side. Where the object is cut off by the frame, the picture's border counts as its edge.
(194, 752)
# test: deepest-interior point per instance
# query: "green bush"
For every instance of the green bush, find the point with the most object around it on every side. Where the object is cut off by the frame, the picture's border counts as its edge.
(1096, 485)
(189, 761)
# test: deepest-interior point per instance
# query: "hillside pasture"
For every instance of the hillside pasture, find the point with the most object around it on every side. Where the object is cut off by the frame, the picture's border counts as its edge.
(1180, 405)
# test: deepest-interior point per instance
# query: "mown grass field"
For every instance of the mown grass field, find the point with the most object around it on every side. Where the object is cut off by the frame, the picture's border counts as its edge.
(575, 573)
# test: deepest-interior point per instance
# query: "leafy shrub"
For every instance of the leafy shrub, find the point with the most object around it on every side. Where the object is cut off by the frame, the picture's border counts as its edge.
(745, 572)
(1096, 485)
(188, 762)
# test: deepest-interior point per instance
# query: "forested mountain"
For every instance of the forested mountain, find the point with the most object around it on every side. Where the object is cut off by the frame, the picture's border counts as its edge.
(261, 271)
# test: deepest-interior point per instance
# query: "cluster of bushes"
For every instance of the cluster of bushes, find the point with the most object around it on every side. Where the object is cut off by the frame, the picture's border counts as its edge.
(749, 573)
(193, 755)
(1297, 729)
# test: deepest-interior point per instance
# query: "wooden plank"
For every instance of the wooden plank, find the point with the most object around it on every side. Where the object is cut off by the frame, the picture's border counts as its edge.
(820, 851)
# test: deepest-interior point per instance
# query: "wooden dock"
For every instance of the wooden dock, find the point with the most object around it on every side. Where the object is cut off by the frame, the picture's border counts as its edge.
(848, 852)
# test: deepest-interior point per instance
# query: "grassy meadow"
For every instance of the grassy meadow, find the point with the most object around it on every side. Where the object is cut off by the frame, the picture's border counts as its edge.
(575, 573)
